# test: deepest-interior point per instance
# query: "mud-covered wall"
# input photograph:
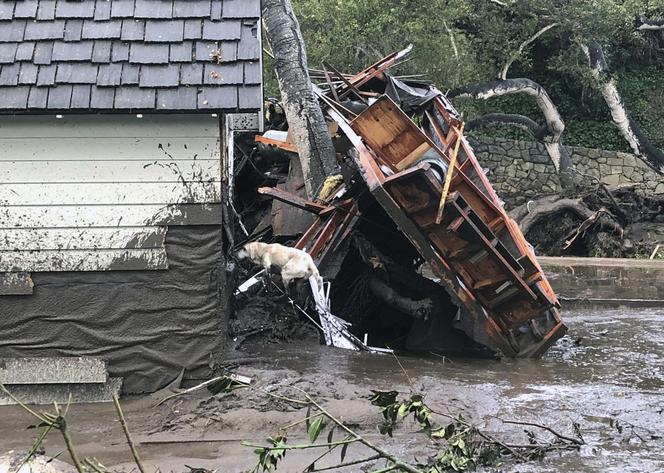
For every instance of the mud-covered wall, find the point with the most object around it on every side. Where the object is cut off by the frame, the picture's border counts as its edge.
(520, 170)
(89, 192)
(147, 325)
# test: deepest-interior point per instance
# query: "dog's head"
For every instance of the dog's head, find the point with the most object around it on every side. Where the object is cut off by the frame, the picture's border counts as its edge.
(242, 253)
(250, 250)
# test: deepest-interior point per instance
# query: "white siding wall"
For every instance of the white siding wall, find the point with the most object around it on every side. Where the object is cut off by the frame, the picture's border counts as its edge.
(85, 193)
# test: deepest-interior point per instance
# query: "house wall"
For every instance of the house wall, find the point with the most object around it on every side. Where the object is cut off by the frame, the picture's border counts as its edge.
(111, 242)
(91, 193)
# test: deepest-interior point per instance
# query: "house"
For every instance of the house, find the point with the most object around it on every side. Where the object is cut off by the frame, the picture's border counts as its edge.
(115, 119)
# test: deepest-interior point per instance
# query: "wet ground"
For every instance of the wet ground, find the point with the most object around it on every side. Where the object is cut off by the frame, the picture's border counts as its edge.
(607, 376)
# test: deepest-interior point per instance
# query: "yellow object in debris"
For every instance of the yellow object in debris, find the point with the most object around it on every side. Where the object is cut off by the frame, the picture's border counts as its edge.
(330, 186)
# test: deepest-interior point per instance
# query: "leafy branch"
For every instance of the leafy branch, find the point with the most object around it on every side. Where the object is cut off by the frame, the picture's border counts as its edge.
(459, 444)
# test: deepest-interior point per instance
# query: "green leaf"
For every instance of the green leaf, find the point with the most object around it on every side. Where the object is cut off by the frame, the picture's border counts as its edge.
(307, 422)
(330, 435)
(403, 410)
(439, 433)
(344, 449)
(315, 429)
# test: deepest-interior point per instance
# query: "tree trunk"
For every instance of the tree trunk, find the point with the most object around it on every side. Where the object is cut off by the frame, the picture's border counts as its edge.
(531, 213)
(639, 143)
(549, 134)
(305, 119)
(417, 309)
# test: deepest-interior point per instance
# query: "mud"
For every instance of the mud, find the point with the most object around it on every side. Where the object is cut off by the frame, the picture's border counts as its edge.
(607, 375)
(640, 217)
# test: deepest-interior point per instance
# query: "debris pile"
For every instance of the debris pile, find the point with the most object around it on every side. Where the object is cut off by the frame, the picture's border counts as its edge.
(420, 252)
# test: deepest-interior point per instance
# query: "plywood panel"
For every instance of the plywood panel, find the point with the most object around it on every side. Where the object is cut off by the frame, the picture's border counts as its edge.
(25, 239)
(107, 148)
(40, 216)
(83, 260)
(109, 171)
(391, 133)
(110, 193)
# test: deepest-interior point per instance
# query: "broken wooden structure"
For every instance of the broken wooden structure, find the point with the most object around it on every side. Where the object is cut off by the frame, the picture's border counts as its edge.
(401, 141)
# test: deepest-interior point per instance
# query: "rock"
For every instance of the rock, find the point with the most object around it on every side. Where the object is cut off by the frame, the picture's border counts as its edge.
(611, 179)
(659, 189)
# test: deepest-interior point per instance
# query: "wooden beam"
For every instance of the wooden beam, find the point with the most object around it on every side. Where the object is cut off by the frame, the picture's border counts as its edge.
(448, 177)
(292, 199)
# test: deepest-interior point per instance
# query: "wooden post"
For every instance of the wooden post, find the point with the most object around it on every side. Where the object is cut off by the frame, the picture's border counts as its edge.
(448, 176)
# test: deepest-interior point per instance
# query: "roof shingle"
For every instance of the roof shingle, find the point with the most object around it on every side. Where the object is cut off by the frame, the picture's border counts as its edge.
(159, 55)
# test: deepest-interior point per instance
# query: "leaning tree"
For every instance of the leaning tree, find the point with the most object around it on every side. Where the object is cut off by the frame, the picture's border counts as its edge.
(306, 122)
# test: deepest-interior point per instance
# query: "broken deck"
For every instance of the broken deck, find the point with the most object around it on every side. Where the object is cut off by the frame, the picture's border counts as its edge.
(403, 144)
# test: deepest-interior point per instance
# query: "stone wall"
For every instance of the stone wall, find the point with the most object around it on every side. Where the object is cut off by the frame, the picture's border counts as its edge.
(520, 170)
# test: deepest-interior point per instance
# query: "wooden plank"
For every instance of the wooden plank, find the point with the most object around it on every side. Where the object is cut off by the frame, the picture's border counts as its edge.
(113, 148)
(292, 199)
(39, 216)
(497, 256)
(389, 132)
(16, 284)
(406, 174)
(25, 239)
(29, 127)
(109, 171)
(110, 193)
(83, 260)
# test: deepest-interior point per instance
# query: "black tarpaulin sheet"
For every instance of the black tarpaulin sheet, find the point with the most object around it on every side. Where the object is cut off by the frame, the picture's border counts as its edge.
(147, 325)
(409, 96)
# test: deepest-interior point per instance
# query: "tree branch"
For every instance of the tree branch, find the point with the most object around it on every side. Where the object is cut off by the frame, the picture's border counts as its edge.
(125, 429)
(646, 24)
(522, 47)
(640, 144)
(452, 40)
(545, 427)
(417, 309)
(554, 122)
(520, 121)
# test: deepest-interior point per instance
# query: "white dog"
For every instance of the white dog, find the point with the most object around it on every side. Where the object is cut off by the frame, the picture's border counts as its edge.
(293, 263)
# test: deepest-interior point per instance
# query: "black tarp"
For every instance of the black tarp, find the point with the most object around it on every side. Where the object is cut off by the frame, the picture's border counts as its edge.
(147, 325)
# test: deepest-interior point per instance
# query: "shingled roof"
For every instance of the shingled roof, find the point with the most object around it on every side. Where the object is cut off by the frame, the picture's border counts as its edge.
(139, 55)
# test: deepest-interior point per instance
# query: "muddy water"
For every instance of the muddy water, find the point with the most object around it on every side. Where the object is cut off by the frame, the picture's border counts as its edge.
(607, 376)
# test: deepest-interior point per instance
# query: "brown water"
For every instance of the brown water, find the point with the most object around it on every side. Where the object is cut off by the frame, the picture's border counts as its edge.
(607, 376)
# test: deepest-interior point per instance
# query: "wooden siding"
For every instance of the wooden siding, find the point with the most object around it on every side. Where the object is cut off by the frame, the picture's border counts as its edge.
(94, 193)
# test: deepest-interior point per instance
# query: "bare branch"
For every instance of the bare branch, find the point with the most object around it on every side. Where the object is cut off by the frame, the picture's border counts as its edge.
(547, 428)
(452, 40)
(646, 24)
(125, 429)
(522, 47)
